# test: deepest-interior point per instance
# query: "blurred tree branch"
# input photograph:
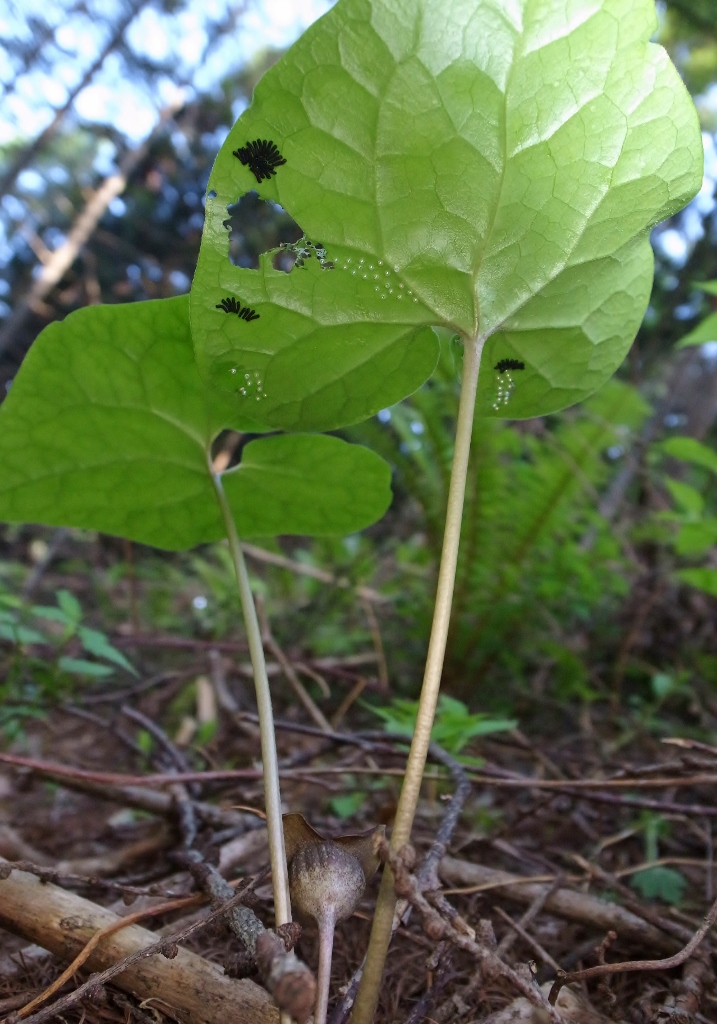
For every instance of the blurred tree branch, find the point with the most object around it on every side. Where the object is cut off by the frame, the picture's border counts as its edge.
(63, 257)
(26, 155)
(31, 55)
(56, 263)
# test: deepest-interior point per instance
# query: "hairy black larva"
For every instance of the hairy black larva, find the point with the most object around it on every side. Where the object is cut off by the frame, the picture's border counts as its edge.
(261, 156)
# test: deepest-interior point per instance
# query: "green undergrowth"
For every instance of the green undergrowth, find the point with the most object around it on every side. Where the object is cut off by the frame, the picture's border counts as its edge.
(47, 651)
(541, 572)
(538, 561)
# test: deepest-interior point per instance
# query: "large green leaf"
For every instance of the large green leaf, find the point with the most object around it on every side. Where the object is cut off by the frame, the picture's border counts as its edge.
(490, 166)
(109, 426)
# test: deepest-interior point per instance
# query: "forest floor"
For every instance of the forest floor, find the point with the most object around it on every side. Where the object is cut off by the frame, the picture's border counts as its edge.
(569, 852)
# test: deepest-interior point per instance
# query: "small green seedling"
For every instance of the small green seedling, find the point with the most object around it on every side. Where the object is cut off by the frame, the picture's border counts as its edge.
(659, 881)
(454, 725)
(43, 661)
(64, 621)
(484, 167)
(109, 426)
(695, 526)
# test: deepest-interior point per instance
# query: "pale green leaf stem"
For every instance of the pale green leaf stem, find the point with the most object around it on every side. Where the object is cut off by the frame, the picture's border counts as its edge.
(367, 998)
(269, 760)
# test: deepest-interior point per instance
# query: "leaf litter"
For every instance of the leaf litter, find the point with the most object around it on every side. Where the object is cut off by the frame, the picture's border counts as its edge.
(593, 829)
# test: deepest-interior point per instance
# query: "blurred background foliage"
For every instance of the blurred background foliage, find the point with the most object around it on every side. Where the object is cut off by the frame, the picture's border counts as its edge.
(580, 596)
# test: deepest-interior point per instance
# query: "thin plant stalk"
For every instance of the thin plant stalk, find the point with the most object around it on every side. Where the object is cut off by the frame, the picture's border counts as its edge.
(368, 993)
(270, 762)
(326, 948)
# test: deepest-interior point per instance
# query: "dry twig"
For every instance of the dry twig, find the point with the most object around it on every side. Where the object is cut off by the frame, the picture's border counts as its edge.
(440, 962)
(437, 927)
(666, 964)
(290, 981)
(168, 949)
(290, 674)
(519, 929)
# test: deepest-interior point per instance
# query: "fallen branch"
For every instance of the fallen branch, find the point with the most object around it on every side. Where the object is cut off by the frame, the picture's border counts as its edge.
(528, 939)
(438, 925)
(627, 896)
(60, 771)
(167, 948)
(63, 923)
(535, 908)
(66, 880)
(573, 906)
(571, 786)
(139, 796)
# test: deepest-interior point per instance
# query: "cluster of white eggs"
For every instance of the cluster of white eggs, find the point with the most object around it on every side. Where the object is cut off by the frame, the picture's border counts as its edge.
(384, 280)
(249, 385)
(376, 273)
(506, 386)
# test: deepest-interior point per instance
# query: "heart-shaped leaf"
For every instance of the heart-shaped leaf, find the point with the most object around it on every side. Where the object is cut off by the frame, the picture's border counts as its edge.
(488, 166)
(109, 426)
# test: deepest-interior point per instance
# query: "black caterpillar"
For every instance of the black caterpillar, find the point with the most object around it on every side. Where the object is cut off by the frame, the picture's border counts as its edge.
(230, 305)
(261, 156)
(509, 364)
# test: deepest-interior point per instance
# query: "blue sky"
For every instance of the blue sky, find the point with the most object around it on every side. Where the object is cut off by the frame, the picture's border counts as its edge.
(112, 97)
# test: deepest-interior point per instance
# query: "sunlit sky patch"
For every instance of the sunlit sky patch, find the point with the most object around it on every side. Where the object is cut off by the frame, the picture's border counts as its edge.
(675, 240)
(115, 98)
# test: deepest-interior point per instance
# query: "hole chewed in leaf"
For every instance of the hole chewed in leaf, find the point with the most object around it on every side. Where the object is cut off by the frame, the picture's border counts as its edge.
(228, 447)
(295, 254)
(256, 226)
